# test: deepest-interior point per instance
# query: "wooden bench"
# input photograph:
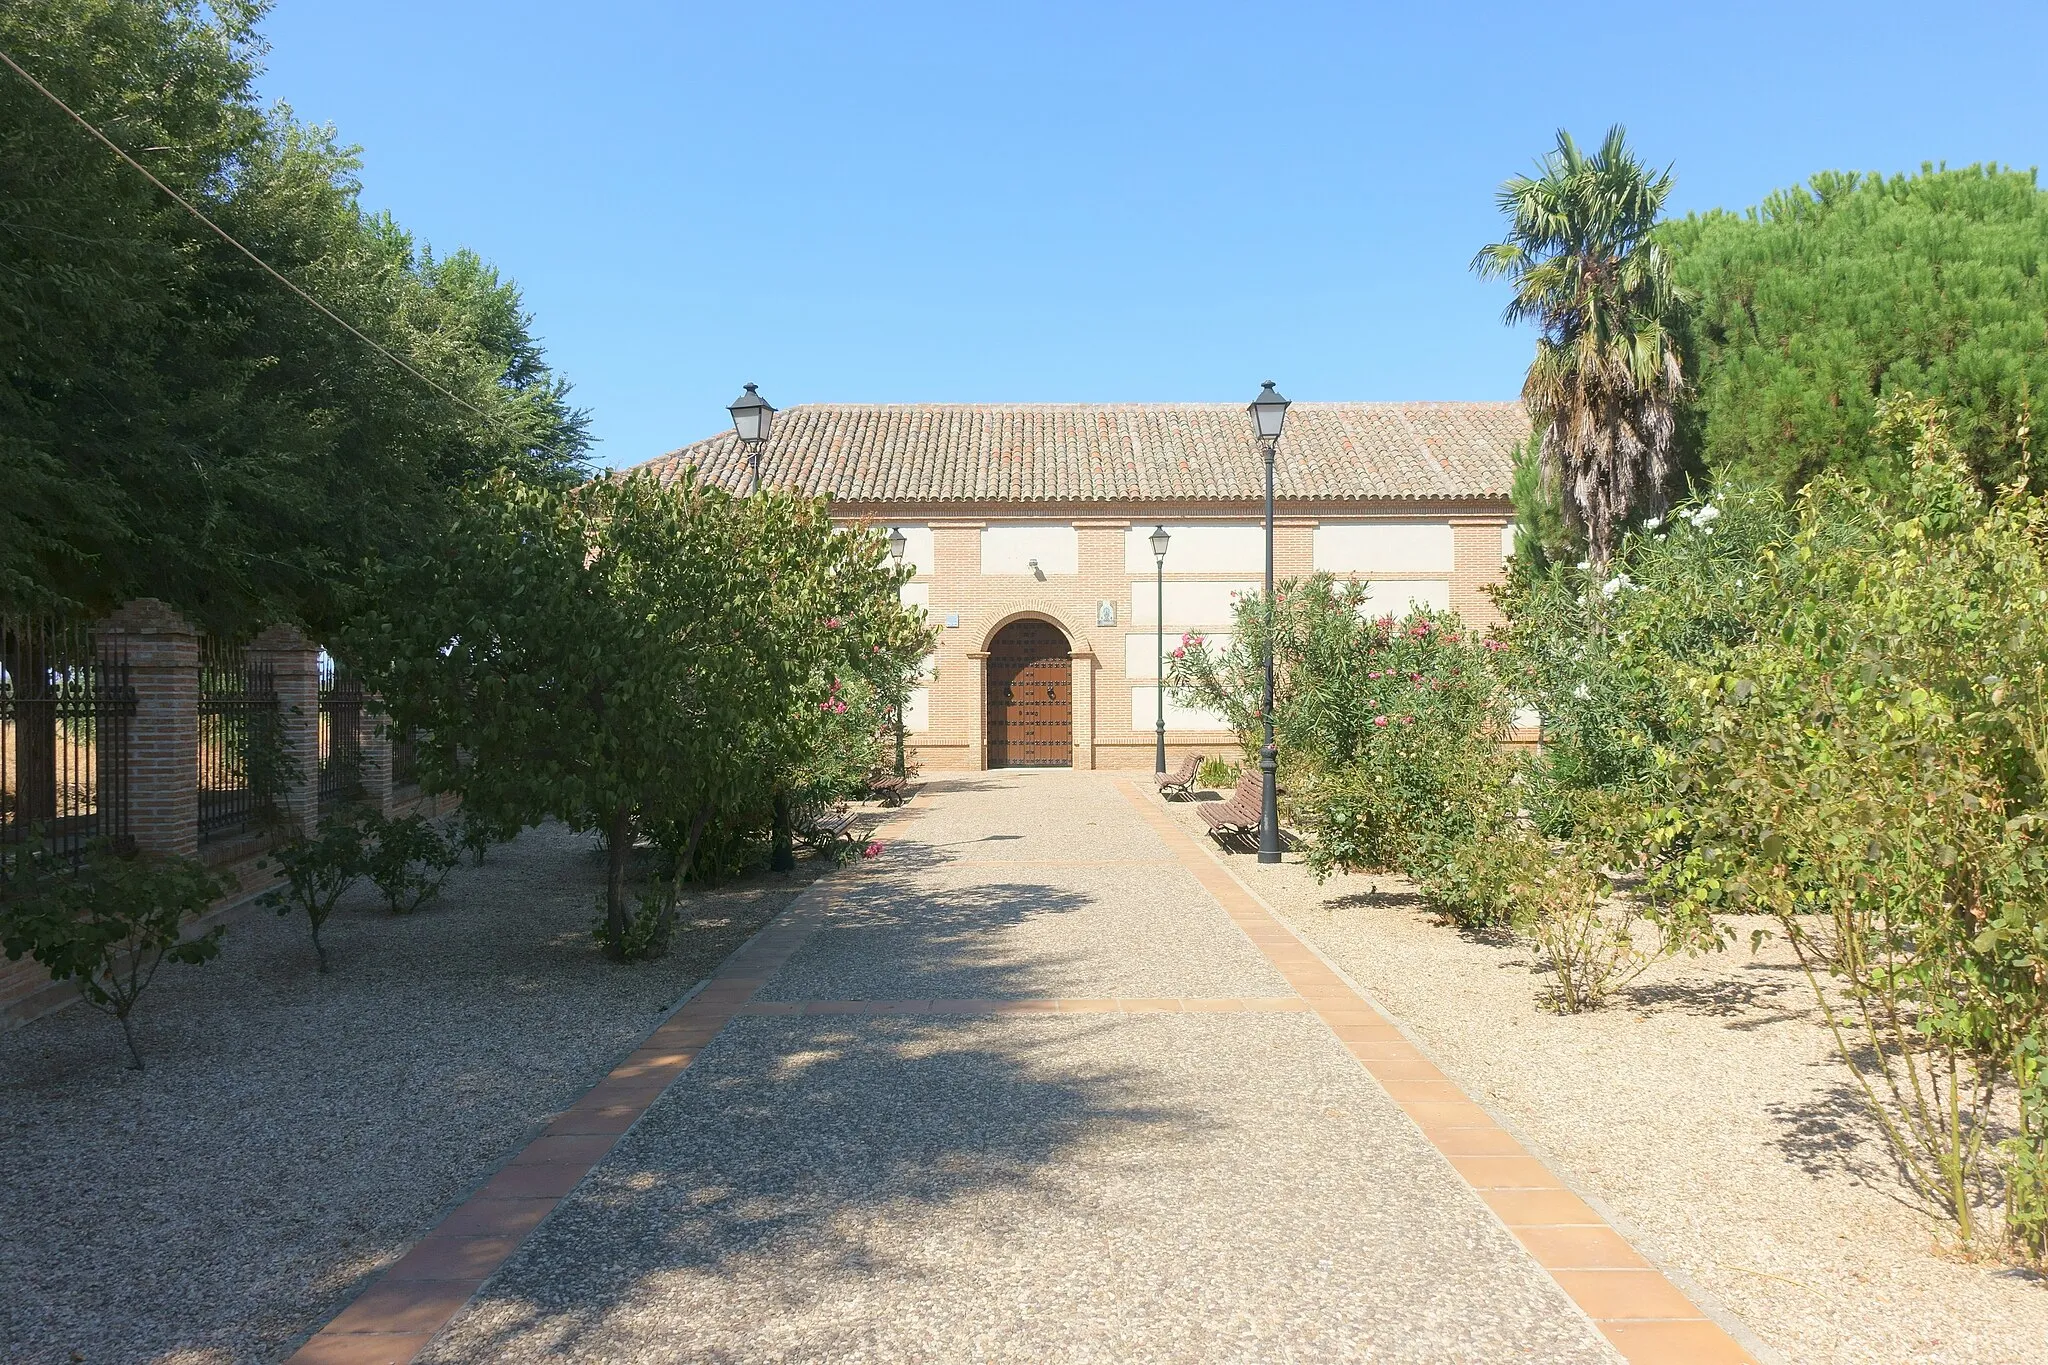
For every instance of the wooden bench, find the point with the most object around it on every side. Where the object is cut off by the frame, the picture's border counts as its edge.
(1181, 780)
(830, 827)
(1239, 816)
(889, 789)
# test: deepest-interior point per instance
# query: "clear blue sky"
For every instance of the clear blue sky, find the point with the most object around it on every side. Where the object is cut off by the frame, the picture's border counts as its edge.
(1055, 201)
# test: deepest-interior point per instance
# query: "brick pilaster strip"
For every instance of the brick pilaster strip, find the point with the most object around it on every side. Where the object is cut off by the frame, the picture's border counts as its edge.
(1640, 1312)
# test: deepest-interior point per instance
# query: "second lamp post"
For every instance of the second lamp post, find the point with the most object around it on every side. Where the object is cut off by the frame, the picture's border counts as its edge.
(898, 543)
(1269, 415)
(1159, 539)
(751, 418)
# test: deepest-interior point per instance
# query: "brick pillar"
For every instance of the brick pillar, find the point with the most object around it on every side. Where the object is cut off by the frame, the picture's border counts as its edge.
(376, 755)
(1294, 547)
(1082, 662)
(1480, 564)
(977, 736)
(162, 651)
(295, 664)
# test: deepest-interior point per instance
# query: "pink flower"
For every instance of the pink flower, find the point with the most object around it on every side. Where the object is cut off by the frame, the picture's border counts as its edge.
(1407, 720)
(1415, 678)
(1380, 721)
(1179, 654)
(873, 850)
(831, 623)
(1495, 646)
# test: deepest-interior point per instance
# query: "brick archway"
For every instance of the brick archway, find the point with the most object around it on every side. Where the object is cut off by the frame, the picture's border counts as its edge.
(1030, 696)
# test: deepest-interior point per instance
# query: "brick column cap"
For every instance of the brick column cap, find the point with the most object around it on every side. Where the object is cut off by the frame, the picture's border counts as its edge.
(147, 616)
(281, 638)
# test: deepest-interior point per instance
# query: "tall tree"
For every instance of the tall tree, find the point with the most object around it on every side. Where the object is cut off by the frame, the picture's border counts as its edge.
(1831, 296)
(1605, 385)
(652, 662)
(172, 419)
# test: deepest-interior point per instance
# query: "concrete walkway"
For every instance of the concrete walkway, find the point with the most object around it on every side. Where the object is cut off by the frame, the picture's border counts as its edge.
(1042, 1083)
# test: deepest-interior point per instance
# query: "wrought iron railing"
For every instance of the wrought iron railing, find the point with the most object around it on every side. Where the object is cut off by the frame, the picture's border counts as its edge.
(66, 718)
(241, 743)
(405, 759)
(341, 733)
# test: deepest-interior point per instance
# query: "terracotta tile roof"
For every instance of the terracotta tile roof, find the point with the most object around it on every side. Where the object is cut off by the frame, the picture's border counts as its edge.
(1117, 452)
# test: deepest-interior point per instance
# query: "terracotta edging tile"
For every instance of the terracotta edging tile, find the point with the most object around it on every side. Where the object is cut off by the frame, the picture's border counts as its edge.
(401, 1312)
(362, 1348)
(1689, 1341)
(439, 1257)
(1646, 1317)
(1599, 1248)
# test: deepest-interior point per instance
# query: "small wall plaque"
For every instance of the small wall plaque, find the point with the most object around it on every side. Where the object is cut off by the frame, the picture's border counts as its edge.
(1105, 613)
(952, 620)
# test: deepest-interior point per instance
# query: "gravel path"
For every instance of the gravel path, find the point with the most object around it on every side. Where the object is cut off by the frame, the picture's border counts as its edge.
(1162, 1187)
(295, 1133)
(1707, 1111)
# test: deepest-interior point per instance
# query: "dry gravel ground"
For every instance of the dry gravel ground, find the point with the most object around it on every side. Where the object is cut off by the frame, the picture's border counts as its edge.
(1706, 1111)
(1115, 1188)
(1163, 1188)
(295, 1133)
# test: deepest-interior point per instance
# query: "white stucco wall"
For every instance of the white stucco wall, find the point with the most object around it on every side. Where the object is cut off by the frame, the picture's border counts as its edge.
(1387, 547)
(1009, 549)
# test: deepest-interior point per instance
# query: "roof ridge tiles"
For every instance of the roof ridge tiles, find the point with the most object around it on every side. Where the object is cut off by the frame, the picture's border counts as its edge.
(1102, 452)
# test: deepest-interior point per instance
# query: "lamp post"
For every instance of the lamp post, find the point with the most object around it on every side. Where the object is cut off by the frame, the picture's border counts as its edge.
(1269, 415)
(1159, 540)
(898, 543)
(751, 418)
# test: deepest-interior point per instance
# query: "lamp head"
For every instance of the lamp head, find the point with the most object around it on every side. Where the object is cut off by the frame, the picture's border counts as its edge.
(1269, 412)
(1159, 538)
(752, 416)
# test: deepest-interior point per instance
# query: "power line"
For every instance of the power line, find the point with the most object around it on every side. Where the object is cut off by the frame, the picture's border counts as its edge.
(223, 234)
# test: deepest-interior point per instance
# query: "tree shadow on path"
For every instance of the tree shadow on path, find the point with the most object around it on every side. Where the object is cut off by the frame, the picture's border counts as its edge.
(786, 1175)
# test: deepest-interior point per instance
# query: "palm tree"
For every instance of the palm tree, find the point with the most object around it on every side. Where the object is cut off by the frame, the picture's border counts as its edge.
(1606, 381)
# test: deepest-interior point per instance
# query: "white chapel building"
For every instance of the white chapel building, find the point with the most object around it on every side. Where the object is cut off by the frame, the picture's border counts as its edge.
(1028, 526)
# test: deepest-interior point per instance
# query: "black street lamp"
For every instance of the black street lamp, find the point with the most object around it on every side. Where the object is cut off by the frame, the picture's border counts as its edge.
(1159, 539)
(898, 543)
(751, 418)
(1269, 415)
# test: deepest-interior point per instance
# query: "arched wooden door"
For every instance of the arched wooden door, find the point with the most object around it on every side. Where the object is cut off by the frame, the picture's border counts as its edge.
(1030, 697)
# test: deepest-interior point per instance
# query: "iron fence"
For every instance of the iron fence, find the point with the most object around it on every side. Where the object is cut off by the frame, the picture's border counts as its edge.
(241, 743)
(405, 759)
(67, 712)
(341, 733)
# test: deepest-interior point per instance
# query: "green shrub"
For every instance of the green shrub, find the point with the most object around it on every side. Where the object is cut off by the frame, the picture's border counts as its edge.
(1217, 773)
(407, 860)
(647, 931)
(1873, 771)
(477, 832)
(1597, 659)
(318, 872)
(109, 924)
